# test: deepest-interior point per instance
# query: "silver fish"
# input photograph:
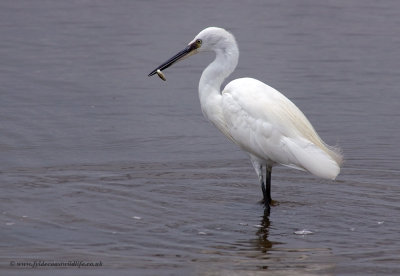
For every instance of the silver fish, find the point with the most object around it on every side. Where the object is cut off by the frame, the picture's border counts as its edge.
(161, 75)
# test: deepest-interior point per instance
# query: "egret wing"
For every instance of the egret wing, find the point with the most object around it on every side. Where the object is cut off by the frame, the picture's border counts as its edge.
(265, 123)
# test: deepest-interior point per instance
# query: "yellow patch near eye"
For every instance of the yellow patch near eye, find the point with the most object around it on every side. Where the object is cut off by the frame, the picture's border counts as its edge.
(198, 42)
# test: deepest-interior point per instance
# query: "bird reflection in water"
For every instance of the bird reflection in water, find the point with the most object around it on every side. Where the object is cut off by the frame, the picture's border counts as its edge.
(263, 243)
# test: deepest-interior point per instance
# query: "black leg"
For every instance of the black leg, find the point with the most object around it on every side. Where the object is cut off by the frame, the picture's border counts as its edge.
(265, 186)
(267, 193)
(261, 178)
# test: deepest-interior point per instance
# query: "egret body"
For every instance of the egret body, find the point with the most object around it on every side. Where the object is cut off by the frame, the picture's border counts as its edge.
(255, 116)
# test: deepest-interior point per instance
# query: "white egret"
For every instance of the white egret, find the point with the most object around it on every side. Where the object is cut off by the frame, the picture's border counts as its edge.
(255, 116)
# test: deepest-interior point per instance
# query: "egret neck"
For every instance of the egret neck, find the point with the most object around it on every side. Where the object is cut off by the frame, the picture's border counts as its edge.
(212, 77)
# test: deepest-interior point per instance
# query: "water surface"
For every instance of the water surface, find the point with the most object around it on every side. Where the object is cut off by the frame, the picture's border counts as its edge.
(98, 162)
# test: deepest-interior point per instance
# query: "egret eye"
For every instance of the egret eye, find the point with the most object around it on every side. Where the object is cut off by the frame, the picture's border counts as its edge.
(198, 42)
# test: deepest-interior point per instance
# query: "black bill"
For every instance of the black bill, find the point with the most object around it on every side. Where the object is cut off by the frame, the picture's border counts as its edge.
(182, 54)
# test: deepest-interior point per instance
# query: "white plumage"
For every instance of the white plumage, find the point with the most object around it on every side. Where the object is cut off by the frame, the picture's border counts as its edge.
(266, 124)
(255, 116)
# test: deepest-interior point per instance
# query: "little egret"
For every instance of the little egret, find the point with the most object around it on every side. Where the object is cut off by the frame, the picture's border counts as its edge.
(255, 116)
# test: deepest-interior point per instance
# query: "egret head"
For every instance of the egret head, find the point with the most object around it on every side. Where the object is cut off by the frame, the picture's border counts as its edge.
(209, 39)
(214, 39)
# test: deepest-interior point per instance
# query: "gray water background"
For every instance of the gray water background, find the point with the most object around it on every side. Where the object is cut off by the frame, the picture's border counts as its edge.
(98, 162)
